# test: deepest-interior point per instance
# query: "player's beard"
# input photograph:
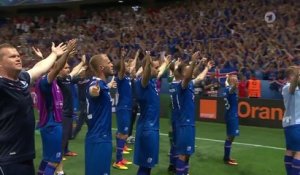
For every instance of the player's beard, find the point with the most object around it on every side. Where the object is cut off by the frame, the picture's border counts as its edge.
(108, 71)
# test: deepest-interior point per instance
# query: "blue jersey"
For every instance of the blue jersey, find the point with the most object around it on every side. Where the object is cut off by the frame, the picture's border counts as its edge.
(291, 104)
(231, 103)
(173, 90)
(125, 93)
(99, 113)
(148, 99)
(186, 105)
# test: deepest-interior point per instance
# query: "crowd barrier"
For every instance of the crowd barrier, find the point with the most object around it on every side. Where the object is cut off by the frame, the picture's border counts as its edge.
(266, 91)
(251, 111)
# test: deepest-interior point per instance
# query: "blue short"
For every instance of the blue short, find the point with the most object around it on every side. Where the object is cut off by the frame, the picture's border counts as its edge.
(232, 127)
(185, 140)
(98, 158)
(292, 137)
(52, 143)
(146, 148)
(123, 120)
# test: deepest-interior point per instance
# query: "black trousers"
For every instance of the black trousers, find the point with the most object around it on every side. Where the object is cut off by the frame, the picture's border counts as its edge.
(20, 168)
(67, 132)
(81, 118)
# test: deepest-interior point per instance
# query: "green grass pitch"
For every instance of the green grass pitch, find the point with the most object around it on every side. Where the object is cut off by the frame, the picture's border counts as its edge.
(259, 151)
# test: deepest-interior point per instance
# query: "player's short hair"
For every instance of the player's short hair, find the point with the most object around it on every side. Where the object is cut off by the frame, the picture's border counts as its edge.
(291, 70)
(4, 45)
(95, 61)
(180, 68)
(228, 80)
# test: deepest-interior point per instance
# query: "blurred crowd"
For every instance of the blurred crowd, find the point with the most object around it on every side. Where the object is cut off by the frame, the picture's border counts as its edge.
(233, 33)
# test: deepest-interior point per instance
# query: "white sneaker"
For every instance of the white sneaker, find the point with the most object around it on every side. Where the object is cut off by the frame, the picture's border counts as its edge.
(131, 139)
(60, 173)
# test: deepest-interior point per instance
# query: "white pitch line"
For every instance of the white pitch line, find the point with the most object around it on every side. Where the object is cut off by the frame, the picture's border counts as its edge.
(220, 141)
(235, 143)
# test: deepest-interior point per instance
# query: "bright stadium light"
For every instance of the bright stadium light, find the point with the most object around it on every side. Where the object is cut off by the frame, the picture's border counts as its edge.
(120, 1)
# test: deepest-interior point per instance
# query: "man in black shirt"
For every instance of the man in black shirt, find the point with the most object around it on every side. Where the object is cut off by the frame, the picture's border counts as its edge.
(199, 88)
(16, 109)
(82, 82)
(64, 81)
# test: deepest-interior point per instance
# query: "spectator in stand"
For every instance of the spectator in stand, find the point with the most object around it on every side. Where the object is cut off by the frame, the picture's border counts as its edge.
(254, 87)
(233, 33)
(212, 86)
(242, 86)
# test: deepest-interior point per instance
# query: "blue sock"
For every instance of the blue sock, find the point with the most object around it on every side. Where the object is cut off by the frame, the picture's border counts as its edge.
(227, 149)
(49, 170)
(296, 167)
(288, 164)
(187, 167)
(42, 167)
(172, 156)
(144, 171)
(120, 147)
(180, 167)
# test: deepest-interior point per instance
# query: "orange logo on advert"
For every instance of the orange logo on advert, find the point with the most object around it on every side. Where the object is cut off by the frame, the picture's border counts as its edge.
(208, 109)
(261, 112)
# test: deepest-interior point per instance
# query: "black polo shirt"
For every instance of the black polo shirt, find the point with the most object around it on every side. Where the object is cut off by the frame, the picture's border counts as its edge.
(16, 120)
(65, 84)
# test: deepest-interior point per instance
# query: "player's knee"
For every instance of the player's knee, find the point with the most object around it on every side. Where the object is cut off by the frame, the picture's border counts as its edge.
(289, 153)
(122, 136)
(230, 138)
(125, 136)
(54, 164)
(297, 155)
(183, 157)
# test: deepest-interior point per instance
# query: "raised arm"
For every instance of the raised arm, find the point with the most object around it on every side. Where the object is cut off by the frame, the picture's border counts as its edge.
(233, 84)
(294, 83)
(164, 67)
(139, 72)
(122, 69)
(202, 75)
(76, 70)
(132, 68)
(146, 75)
(189, 70)
(37, 52)
(44, 65)
(197, 68)
(61, 62)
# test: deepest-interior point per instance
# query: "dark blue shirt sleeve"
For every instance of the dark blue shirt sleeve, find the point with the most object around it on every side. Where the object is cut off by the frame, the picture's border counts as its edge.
(44, 84)
(25, 76)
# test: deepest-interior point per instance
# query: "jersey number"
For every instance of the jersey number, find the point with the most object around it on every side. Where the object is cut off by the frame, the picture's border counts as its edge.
(227, 105)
